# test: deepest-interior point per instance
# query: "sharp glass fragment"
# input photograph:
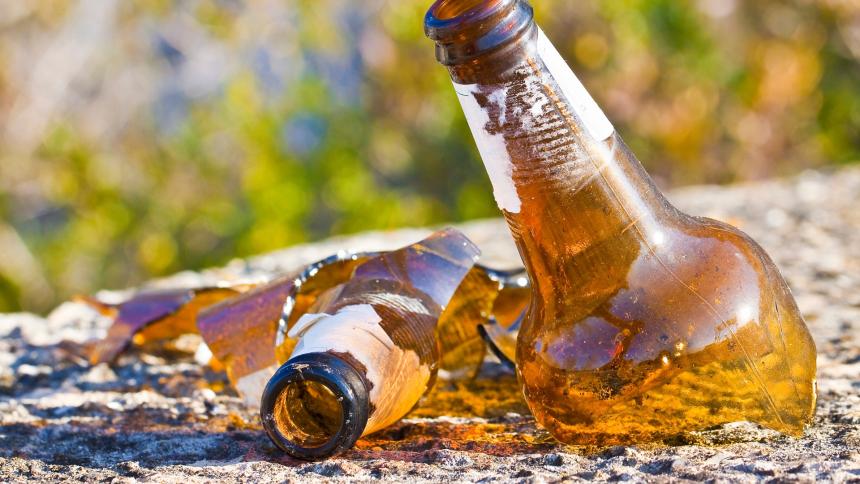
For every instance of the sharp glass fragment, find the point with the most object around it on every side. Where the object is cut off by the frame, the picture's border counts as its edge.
(152, 316)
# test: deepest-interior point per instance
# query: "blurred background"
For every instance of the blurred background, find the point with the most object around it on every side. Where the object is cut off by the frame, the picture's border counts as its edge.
(141, 138)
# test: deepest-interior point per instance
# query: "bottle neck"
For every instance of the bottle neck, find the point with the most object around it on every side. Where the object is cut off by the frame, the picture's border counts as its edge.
(563, 178)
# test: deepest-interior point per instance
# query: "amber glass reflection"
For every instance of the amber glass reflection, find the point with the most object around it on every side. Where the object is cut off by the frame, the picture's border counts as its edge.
(646, 321)
(485, 295)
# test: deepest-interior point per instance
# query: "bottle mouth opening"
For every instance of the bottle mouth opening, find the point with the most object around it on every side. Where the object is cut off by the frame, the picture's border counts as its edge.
(465, 29)
(449, 10)
(446, 18)
(309, 413)
(316, 405)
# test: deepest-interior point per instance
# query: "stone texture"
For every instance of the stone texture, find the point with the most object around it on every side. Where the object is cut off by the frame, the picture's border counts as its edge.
(162, 417)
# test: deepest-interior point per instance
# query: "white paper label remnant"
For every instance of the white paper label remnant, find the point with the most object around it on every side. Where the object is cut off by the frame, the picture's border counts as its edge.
(588, 111)
(492, 147)
(250, 387)
(203, 355)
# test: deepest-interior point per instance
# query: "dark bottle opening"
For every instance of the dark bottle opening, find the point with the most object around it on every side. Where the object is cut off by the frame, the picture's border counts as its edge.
(448, 9)
(316, 405)
(466, 29)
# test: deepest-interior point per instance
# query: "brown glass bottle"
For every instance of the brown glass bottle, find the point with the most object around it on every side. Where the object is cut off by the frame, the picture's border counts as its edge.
(645, 321)
(365, 351)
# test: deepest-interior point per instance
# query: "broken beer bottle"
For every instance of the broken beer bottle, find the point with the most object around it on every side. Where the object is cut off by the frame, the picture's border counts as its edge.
(247, 334)
(365, 351)
(244, 323)
(645, 322)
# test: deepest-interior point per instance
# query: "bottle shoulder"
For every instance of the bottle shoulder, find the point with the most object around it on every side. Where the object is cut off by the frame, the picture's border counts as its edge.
(700, 318)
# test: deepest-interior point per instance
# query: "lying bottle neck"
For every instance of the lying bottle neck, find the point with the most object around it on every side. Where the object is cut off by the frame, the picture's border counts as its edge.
(316, 405)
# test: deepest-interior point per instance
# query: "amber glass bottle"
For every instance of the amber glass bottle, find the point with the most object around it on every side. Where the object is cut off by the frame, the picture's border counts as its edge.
(645, 321)
(365, 351)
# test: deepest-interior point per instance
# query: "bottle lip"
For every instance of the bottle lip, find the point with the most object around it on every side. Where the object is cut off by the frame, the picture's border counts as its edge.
(436, 26)
(344, 381)
(480, 28)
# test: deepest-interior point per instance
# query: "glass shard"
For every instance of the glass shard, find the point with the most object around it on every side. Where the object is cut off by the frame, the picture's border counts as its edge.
(151, 316)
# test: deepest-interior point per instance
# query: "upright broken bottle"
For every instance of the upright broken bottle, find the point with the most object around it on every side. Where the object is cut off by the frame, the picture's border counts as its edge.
(365, 352)
(645, 322)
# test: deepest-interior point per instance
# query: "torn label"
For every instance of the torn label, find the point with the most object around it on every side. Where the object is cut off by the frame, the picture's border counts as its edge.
(492, 147)
(250, 387)
(203, 355)
(597, 124)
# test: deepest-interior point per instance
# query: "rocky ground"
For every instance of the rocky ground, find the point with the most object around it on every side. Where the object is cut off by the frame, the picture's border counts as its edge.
(162, 417)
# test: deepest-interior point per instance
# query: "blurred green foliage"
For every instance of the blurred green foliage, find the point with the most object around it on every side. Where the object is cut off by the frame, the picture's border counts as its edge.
(141, 138)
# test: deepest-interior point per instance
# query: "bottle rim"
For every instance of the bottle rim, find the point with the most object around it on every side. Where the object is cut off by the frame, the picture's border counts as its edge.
(437, 24)
(463, 33)
(346, 384)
